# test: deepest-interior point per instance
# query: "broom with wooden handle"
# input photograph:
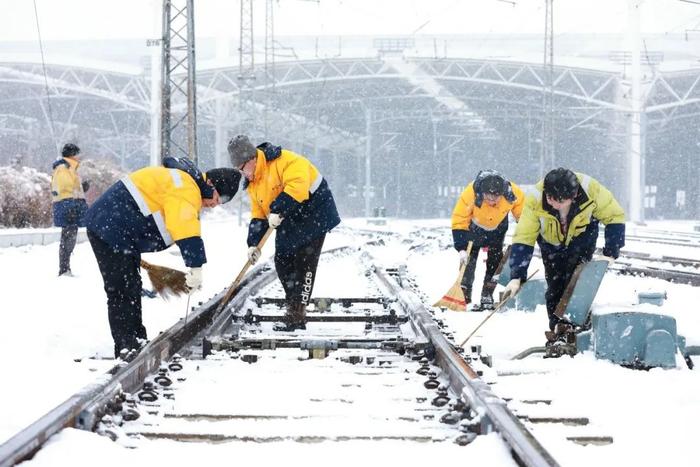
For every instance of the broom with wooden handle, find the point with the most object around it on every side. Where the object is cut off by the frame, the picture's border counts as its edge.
(166, 281)
(234, 285)
(454, 298)
(498, 307)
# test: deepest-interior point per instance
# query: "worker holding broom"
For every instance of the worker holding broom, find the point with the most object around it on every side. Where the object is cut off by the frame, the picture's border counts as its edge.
(287, 193)
(480, 216)
(146, 211)
(562, 216)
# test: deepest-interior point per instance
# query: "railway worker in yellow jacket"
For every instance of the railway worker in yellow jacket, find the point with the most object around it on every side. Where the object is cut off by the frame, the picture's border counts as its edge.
(481, 216)
(562, 216)
(68, 202)
(287, 193)
(149, 210)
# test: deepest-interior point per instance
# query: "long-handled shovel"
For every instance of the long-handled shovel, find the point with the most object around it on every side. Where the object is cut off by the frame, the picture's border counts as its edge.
(498, 307)
(454, 298)
(234, 285)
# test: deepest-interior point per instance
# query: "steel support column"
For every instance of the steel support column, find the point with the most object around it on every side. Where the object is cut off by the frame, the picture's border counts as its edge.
(634, 150)
(547, 154)
(178, 130)
(368, 160)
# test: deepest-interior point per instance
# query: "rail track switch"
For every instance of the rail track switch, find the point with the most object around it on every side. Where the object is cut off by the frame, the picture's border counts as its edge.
(636, 339)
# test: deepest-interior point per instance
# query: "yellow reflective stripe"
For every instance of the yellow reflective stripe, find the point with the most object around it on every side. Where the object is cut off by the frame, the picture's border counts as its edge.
(160, 223)
(177, 179)
(136, 194)
(315, 184)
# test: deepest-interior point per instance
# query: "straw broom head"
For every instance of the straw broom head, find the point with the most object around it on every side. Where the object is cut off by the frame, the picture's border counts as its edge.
(454, 298)
(166, 281)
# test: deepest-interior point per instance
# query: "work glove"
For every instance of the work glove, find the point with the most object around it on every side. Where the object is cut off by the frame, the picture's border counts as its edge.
(254, 254)
(512, 288)
(462, 257)
(274, 220)
(193, 279)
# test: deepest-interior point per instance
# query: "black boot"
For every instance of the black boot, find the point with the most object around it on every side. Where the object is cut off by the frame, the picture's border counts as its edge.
(467, 292)
(294, 318)
(487, 295)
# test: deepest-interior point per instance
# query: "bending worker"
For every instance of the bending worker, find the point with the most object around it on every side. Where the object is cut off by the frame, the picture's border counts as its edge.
(149, 210)
(562, 216)
(480, 216)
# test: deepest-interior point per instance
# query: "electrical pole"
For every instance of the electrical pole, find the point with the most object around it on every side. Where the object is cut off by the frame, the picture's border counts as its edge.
(634, 150)
(246, 68)
(269, 64)
(368, 160)
(547, 154)
(178, 131)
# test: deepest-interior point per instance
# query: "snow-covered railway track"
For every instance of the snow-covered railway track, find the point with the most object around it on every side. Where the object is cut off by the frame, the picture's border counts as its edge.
(375, 367)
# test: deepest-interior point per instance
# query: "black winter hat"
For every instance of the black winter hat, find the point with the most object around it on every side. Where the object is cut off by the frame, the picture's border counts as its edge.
(70, 150)
(493, 184)
(561, 184)
(225, 181)
(241, 150)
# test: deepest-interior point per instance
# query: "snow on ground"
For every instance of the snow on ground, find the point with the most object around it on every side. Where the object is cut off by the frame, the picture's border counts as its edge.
(488, 450)
(648, 413)
(48, 321)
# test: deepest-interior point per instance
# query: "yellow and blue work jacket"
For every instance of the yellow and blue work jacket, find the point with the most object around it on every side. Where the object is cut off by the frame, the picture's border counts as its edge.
(540, 223)
(288, 184)
(471, 213)
(149, 210)
(67, 193)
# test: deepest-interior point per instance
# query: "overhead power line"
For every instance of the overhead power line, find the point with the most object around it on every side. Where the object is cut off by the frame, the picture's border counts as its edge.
(46, 79)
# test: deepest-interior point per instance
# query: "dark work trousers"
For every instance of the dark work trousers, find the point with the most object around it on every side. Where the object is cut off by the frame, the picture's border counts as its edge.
(69, 235)
(297, 271)
(560, 264)
(493, 239)
(122, 279)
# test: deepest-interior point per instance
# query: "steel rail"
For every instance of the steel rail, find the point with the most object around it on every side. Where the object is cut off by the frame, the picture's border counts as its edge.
(464, 380)
(670, 275)
(84, 409)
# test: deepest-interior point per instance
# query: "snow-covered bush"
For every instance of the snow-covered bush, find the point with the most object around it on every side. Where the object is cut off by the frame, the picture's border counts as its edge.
(25, 198)
(101, 174)
(25, 193)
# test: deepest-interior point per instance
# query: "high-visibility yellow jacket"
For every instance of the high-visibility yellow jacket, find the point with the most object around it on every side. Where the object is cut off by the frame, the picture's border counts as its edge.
(539, 221)
(288, 184)
(288, 173)
(150, 209)
(470, 212)
(67, 193)
(65, 181)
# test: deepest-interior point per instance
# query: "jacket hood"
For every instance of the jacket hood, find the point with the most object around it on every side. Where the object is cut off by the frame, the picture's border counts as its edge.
(58, 162)
(270, 151)
(190, 169)
(67, 161)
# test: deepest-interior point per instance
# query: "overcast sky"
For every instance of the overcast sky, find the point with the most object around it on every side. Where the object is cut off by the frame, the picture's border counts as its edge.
(112, 19)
